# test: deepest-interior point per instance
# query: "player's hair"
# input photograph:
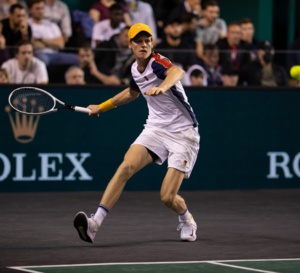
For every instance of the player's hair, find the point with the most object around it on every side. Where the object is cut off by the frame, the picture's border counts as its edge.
(14, 7)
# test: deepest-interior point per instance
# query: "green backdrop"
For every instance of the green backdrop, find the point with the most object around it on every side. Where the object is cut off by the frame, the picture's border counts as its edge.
(249, 139)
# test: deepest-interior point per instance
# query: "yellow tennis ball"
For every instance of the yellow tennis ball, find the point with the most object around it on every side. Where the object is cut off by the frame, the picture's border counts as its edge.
(295, 72)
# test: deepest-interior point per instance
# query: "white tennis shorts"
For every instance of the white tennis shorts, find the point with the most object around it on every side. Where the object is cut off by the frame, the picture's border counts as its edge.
(180, 148)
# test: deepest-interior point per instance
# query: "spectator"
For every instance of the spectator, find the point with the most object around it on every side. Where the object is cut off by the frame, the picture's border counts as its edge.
(100, 11)
(195, 76)
(174, 48)
(142, 12)
(189, 23)
(25, 68)
(189, 6)
(210, 62)
(247, 29)
(4, 55)
(211, 28)
(6, 4)
(47, 38)
(104, 30)
(15, 27)
(118, 60)
(74, 75)
(4, 78)
(58, 12)
(229, 76)
(92, 75)
(264, 71)
(234, 52)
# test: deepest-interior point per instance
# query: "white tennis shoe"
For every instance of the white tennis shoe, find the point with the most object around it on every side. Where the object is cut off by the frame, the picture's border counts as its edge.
(86, 227)
(188, 229)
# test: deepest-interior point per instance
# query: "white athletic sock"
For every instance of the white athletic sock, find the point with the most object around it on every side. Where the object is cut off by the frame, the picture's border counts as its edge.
(185, 216)
(100, 214)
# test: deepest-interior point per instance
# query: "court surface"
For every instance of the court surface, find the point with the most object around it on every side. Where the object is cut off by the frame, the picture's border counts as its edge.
(238, 231)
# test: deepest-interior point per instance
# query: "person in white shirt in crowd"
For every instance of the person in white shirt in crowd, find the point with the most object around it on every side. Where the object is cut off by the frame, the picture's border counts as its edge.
(25, 68)
(47, 37)
(59, 13)
(105, 29)
(211, 27)
(74, 75)
(142, 12)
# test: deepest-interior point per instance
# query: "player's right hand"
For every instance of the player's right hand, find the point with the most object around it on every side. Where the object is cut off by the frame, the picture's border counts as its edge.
(95, 111)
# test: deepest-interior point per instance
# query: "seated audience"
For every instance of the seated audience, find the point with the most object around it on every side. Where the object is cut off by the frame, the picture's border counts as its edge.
(74, 75)
(247, 30)
(190, 6)
(100, 11)
(210, 62)
(105, 29)
(172, 46)
(15, 27)
(195, 76)
(234, 52)
(47, 37)
(6, 4)
(229, 76)
(92, 74)
(211, 27)
(142, 12)
(4, 78)
(25, 68)
(4, 55)
(58, 12)
(264, 71)
(118, 60)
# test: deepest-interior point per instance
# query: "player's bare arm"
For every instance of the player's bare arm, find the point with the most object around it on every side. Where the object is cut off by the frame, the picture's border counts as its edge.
(173, 75)
(126, 96)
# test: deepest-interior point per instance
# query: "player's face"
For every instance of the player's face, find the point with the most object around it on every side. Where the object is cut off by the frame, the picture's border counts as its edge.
(141, 46)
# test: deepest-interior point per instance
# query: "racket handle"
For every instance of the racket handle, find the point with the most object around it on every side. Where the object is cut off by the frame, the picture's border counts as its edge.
(82, 109)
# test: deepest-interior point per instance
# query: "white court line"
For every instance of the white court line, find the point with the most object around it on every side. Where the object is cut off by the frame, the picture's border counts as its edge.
(24, 268)
(242, 267)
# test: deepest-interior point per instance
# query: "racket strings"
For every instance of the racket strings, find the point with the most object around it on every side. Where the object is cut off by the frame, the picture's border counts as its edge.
(32, 101)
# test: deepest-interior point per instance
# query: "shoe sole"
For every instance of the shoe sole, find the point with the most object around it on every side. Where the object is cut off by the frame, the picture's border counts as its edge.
(81, 225)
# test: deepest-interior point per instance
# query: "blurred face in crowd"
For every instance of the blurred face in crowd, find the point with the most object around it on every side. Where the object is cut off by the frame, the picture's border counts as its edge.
(3, 76)
(197, 80)
(173, 30)
(230, 80)
(211, 13)
(85, 56)
(123, 37)
(24, 55)
(17, 17)
(211, 57)
(37, 11)
(116, 17)
(234, 35)
(75, 76)
(247, 30)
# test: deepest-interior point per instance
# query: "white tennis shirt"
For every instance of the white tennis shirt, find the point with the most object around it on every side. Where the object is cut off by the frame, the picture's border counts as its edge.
(170, 111)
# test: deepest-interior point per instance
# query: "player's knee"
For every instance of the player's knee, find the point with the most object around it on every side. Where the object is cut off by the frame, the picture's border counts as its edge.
(167, 199)
(127, 169)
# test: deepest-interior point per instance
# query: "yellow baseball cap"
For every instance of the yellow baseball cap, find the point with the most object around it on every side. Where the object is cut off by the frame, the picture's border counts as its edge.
(137, 28)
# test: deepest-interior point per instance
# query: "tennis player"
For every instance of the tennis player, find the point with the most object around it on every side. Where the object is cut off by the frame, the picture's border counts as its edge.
(170, 133)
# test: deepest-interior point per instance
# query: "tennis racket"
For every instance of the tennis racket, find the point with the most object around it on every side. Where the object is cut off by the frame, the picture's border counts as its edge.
(35, 101)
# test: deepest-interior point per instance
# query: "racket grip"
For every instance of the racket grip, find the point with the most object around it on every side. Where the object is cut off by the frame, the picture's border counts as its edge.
(82, 109)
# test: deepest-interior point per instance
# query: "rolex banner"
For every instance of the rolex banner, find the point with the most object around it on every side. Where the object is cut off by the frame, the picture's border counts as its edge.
(249, 140)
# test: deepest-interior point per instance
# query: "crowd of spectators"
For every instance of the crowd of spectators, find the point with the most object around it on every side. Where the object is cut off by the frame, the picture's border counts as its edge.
(41, 40)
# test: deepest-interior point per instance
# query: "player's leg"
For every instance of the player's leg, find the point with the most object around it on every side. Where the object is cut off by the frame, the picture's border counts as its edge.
(170, 197)
(135, 159)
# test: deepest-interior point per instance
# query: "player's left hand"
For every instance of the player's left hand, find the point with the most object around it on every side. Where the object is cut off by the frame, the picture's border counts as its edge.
(155, 91)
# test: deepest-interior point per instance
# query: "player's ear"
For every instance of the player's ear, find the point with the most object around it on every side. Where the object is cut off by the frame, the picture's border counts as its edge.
(129, 45)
